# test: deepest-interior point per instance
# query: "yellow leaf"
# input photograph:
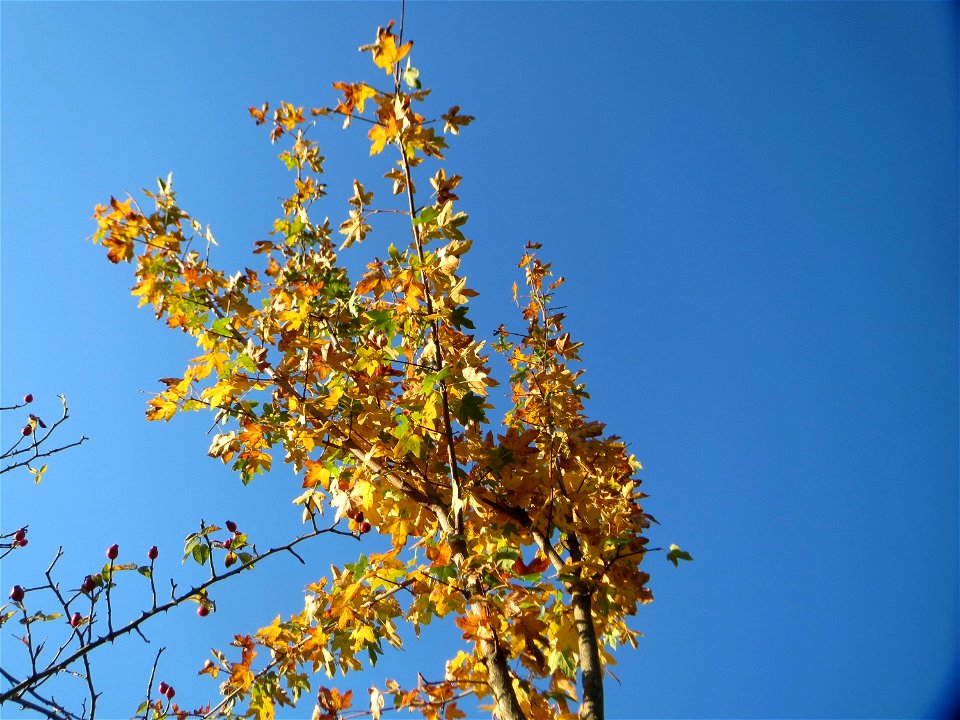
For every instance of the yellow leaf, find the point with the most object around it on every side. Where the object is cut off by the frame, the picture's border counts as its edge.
(385, 50)
(37, 474)
(452, 121)
(379, 135)
(264, 707)
(161, 408)
(362, 636)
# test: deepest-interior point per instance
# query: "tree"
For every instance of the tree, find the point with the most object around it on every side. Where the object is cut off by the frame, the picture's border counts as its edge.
(528, 531)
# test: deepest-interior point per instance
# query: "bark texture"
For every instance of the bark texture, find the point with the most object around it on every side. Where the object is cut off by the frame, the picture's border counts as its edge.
(591, 708)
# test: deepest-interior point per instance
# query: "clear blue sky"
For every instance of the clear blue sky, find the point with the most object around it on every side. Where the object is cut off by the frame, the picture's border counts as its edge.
(755, 205)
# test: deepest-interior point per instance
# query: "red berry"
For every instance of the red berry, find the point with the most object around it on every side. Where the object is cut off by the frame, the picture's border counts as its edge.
(22, 542)
(170, 692)
(17, 593)
(113, 551)
(162, 688)
(153, 552)
(365, 527)
(203, 611)
(28, 398)
(27, 429)
(231, 526)
(87, 585)
(359, 516)
(21, 534)
(75, 619)
(227, 543)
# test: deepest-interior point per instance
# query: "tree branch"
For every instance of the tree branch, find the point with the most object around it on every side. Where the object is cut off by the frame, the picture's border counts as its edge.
(39, 676)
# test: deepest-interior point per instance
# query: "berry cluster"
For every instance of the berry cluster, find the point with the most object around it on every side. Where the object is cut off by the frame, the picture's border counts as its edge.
(358, 523)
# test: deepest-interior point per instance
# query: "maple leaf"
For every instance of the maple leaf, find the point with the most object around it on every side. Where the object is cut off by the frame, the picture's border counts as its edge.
(119, 249)
(354, 97)
(330, 702)
(676, 555)
(385, 50)
(535, 566)
(259, 114)
(360, 197)
(452, 121)
(475, 379)
(399, 180)
(288, 116)
(355, 228)
(445, 186)
(162, 407)
(381, 134)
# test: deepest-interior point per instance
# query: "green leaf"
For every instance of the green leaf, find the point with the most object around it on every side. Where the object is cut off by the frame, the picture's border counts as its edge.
(221, 326)
(470, 408)
(247, 363)
(192, 540)
(676, 555)
(402, 428)
(430, 381)
(201, 553)
(505, 556)
(428, 214)
(145, 571)
(289, 160)
(458, 318)
(296, 227)
(359, 567)
(382, 320)
(562, 661)
(444, 573)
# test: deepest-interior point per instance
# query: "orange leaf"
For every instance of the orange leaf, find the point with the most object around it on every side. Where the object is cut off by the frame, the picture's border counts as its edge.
(260, 113)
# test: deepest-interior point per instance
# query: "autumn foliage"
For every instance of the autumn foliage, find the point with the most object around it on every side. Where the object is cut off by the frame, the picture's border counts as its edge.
(527, 528)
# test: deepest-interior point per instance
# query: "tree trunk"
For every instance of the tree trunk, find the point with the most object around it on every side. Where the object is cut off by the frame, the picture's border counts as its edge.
(501, 682)
(591, 708)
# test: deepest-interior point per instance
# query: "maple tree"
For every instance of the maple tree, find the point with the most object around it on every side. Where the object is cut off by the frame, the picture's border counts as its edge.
(527, 530)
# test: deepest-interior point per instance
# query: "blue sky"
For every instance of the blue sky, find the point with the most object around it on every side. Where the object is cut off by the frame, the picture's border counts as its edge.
(755, 205)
